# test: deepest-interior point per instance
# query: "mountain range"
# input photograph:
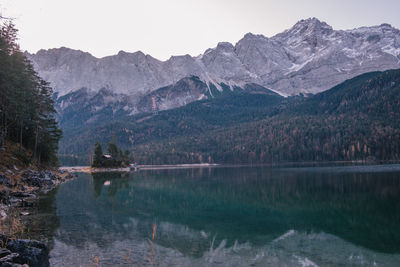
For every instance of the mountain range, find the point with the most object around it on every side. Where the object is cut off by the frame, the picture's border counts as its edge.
(226, 86)
(308, 58)
(355, 120)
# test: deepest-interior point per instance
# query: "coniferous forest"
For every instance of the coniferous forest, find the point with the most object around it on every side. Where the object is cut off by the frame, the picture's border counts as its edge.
(356, 120)
(114, 159)
(27, 113)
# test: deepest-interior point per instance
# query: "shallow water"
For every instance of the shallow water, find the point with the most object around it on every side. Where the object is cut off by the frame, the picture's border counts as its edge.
(247, 216)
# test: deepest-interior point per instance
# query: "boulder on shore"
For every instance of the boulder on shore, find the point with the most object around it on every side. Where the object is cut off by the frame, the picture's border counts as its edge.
(20, 252)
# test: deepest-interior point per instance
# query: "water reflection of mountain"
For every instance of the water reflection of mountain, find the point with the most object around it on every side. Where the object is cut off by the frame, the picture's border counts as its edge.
(257, 205)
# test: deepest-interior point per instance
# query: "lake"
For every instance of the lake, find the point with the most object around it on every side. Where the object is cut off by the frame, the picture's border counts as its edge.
(225, 216)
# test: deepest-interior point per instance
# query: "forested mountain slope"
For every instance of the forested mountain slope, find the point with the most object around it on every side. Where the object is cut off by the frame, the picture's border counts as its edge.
(229, 108)
(356, 120)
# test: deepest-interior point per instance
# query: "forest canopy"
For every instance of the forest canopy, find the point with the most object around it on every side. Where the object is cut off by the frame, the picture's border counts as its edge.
(27, 113)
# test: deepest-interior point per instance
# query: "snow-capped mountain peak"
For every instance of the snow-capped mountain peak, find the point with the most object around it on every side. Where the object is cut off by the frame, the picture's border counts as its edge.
(309, 57)
(310, 26)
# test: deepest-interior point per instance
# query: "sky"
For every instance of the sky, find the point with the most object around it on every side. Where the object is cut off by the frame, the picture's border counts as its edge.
(163, 28)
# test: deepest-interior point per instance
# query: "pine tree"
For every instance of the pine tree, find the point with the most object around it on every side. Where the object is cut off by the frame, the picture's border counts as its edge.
(98, 154)
(114, 150)
(27, 113)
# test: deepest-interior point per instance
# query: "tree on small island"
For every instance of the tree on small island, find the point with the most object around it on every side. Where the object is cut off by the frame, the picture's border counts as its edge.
(114, 159)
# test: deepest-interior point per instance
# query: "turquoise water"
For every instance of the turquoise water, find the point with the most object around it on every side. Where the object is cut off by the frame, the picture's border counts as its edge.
(243, 216)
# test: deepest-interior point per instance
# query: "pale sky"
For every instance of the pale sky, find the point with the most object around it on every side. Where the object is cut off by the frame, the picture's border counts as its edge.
(163, 28)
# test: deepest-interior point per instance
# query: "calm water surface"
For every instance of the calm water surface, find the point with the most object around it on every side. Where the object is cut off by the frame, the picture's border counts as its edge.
(247, 216)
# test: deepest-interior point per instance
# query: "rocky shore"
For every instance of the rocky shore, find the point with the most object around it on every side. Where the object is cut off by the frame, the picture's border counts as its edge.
(19, 186)
(23, 252)
(17, 189)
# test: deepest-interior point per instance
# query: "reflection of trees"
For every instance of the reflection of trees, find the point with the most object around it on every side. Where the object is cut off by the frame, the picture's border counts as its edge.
(116, 182)
(351, 205)
(43, 221)
(234, 203)
(266, 186)
(89, 215)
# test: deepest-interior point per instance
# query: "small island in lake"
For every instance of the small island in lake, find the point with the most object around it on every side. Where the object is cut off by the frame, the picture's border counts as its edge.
(114, 159)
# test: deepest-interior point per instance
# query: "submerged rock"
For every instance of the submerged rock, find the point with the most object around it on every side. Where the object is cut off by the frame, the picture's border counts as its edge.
(22, 251)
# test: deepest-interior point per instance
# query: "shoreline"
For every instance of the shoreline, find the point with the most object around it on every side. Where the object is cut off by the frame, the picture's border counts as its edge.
(19, 188)
(88, 169)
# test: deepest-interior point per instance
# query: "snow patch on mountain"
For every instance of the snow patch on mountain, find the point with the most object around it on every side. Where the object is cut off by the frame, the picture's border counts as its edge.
(390, 49)
(310, 57)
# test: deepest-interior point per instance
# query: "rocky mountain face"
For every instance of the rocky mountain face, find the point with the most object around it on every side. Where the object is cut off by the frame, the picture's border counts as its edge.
(308, 58)
(85, 107)
(186, 90)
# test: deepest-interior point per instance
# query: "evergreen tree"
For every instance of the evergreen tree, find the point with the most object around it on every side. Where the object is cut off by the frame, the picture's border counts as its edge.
(27, 113)
(118, 157)
(114, 150)
(98, 154)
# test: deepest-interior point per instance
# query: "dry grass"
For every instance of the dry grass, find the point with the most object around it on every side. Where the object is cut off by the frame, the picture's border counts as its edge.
(12, 225)
(151, 257)
(154, 228)
(128, 257)
(96, 261)
(12, 156)
(12, 162)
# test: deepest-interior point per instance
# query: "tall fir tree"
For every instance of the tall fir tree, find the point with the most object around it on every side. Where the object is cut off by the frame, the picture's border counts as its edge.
(98, 154)
(27, 113)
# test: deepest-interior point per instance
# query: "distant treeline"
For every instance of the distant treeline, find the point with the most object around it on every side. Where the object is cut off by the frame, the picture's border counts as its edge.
(26, 107)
